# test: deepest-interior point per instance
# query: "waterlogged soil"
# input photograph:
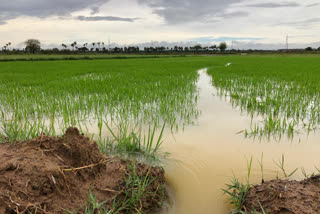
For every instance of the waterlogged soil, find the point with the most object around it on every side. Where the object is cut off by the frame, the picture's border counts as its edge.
(54, 174)
(285, 197)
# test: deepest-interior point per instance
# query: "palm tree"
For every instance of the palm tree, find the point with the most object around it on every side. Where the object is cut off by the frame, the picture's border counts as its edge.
(93, 44)
(7, 46)
(73, 45)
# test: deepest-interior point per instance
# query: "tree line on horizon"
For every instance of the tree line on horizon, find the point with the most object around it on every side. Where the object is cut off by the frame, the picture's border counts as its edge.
(34, 46)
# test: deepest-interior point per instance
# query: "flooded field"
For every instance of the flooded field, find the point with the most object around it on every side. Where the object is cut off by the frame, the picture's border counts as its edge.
(216, 113)
(204, 157)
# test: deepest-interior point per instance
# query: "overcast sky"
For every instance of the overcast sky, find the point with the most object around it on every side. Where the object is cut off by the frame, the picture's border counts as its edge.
(249, 23)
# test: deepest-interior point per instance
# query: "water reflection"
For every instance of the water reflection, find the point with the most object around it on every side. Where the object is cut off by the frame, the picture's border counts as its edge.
(205, 156)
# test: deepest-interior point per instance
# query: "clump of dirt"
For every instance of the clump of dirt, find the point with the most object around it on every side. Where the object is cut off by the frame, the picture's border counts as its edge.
(55, 174)
(285, 197)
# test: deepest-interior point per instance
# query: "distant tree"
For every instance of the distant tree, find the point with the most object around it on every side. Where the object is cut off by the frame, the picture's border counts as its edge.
(83, 49)
(213, 47)
(32, 45)
(9, 43)
(93, 44)
(197, 47)
(6, 47)
(222, 46)
(74, 45)
(308, 49)
(64, 46)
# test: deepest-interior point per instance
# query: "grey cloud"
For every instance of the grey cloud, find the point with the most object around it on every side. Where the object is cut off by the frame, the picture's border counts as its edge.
(301, 23)
(182, 11)
(313, 5)
(95, 10)
(105, 18)
(236, 14)
(274, 5)
(44, 8)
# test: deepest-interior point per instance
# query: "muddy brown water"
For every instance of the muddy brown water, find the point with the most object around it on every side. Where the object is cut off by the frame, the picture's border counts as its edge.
(205, 156)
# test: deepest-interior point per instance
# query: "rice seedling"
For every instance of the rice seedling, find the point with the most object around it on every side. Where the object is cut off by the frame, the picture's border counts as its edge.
(49, 96)
(284, 92)
(130, 141)
(127, 200)
(136, 190)
(261, 168)
(92, 206)
(280, 164)
(237, 190)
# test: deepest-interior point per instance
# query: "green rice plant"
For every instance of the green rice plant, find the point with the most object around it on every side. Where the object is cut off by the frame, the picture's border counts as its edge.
(131, 141)
(69, 93)
(261, 168)
(280, 164)
(151, 146)
(249, 167)
(305, 173)
(92, 206)
(283, 91)
(136, 189)
(126, 201)
(237, 192)
(312, 175)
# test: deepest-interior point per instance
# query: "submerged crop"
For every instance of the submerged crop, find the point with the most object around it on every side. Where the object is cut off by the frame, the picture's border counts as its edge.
(49, 96)
(281, 94)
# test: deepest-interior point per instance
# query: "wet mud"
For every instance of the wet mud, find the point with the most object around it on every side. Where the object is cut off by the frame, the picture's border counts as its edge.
(54, 174)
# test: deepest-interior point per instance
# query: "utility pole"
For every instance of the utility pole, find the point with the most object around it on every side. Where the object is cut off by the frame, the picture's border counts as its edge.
(287, 42)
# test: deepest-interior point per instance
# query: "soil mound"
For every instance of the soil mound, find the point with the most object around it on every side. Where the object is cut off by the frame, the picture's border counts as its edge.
(285, 197)
(55, 174)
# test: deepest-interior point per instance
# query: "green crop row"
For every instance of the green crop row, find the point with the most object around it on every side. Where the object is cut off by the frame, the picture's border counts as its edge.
(283, 91)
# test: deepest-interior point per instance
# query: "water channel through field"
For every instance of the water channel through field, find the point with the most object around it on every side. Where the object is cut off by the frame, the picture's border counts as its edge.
(205, 156)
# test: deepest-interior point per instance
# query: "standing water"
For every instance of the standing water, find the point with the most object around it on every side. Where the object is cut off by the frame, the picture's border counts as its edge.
(205, 156)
